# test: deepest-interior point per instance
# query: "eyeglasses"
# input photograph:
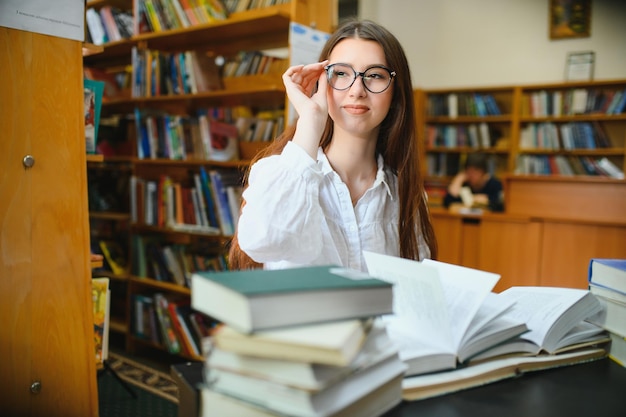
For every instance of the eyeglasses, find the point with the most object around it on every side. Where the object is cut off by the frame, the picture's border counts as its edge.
(376, 79)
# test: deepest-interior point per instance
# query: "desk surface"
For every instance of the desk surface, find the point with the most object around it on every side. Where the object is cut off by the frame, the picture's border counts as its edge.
(593, 389)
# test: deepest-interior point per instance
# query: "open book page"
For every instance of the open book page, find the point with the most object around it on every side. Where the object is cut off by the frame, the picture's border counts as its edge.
(499, 331)
(493, 306)
(434, 304)
(420, 321)
(465, 290)
(550, 313)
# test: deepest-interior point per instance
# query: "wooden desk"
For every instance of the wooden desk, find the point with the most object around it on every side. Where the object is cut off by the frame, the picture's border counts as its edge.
(591, 389)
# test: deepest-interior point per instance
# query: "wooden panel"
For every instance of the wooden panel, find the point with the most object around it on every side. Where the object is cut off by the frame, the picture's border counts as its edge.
(45, 291)
(448, 232)
(590, 199)
(470, 242)
(511, 248)
(568, 248)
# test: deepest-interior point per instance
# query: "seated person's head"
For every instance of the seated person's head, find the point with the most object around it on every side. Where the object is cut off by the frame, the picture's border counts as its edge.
(475, 169)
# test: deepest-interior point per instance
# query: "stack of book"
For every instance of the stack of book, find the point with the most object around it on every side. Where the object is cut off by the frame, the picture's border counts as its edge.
(298, 342)
(607, 281)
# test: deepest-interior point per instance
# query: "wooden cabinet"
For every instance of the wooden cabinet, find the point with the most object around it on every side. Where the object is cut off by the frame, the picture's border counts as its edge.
(266, 28)
(504, 244)
(581, 219)
(552, 229)
(569, 246)
(46, 338)
(512, 247)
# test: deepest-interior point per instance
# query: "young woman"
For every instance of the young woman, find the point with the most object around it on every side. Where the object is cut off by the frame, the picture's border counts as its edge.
(346, 177)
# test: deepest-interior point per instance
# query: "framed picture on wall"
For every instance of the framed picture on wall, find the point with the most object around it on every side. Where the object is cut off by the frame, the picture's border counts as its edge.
(570, 19)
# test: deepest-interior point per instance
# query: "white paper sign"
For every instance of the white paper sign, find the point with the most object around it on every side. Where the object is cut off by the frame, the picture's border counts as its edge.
(305, 44)
(62, 18)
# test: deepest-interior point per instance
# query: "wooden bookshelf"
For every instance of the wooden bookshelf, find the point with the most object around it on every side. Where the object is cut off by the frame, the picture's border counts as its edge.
(527, 136)
(553, 223)
(249, 30)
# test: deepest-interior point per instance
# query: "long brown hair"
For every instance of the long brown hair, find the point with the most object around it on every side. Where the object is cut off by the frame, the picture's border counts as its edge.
(397, 143)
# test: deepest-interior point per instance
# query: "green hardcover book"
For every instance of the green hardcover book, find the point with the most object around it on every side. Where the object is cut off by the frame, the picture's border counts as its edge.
(265, 299)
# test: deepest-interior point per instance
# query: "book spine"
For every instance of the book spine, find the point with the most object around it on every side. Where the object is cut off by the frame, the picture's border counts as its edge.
(221, 198)
(170, 340)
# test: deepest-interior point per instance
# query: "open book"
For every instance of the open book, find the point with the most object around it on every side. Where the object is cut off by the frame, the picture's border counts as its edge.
(443, 314)
(556, 320)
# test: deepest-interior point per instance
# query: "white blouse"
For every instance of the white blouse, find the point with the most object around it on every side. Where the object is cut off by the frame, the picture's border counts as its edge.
(299, 212)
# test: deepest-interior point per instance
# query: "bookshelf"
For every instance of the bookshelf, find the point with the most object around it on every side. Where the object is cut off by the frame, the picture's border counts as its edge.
(559, 129)
(554, 220)
(153, 165)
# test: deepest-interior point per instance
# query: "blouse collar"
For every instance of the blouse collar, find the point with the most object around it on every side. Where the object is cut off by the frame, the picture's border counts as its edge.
(381, 174)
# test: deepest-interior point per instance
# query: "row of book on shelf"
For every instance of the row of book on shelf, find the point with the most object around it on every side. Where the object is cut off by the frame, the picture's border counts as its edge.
(567, 165)
(541, 103)
(568, 136)
(473, 135)
(155, 73)
(170, 323)
(174, 263)
(110, 24)
(330, 341)
(442, 164)
(462, 104)
(207, 203)
(209, 135)
(163, 15)
(573, 101)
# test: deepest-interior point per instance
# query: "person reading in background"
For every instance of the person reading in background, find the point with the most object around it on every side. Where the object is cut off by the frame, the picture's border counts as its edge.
(345, 177)
(475, 186)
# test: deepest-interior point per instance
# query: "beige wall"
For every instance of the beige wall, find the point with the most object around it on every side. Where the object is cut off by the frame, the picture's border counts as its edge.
(496, 42)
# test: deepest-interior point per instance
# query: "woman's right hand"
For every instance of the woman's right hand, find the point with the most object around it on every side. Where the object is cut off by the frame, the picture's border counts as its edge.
(306, 87)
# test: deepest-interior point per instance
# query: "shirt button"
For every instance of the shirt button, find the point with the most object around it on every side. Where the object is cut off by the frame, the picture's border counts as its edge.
(353, 228)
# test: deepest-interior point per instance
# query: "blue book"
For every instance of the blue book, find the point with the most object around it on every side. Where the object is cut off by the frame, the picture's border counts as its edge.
(608, 273)
(208, 196)
(221, 201)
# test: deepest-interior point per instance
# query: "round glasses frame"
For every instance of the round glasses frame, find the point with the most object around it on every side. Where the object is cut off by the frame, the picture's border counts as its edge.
(363, 75)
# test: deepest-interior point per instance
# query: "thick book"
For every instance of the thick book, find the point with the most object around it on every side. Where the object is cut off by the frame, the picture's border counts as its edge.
(304, 374)
(332, 343)
(304, 403)
(609, 273)
(101, 305)
(253, 300)
(444, 314)
(437, 384)
(556, 318)
(617, 351)
(612, 317)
